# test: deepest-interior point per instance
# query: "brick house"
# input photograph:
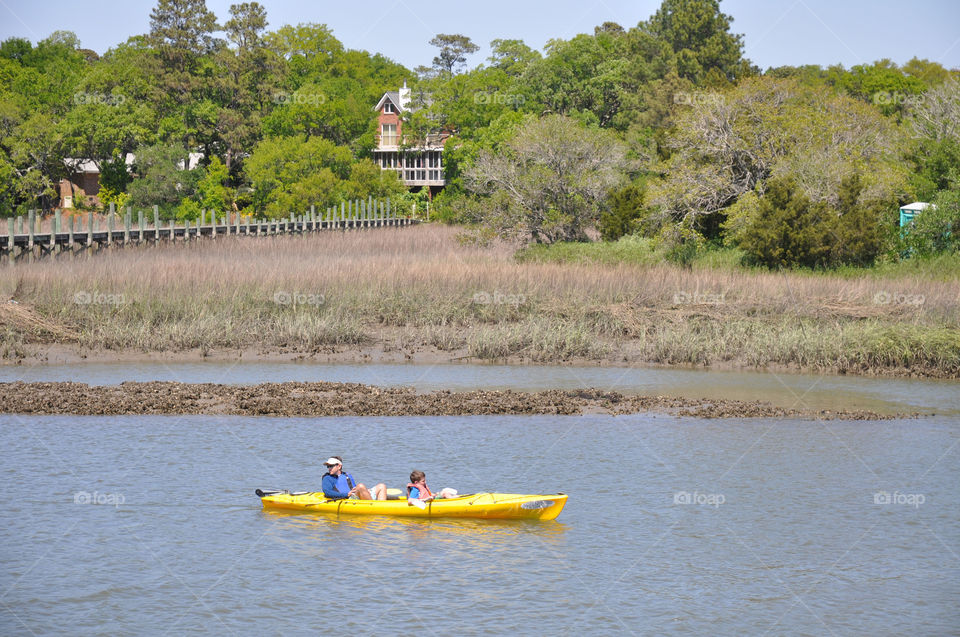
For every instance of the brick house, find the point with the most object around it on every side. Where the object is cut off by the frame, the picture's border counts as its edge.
(418, 167)
(84, 180)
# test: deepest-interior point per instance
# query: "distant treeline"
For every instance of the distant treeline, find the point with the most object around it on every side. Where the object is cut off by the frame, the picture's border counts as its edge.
(663, 129)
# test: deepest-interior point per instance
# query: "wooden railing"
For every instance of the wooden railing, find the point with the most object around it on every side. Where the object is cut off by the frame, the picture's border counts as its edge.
(26, 238)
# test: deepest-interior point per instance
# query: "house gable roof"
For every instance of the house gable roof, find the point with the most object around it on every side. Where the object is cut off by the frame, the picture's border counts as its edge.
(393, 97)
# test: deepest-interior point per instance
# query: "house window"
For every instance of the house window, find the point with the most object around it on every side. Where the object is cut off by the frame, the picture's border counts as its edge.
(388, 107)
(388, 135)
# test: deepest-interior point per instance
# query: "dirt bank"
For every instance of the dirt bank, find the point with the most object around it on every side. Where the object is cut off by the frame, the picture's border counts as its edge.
(351, 399)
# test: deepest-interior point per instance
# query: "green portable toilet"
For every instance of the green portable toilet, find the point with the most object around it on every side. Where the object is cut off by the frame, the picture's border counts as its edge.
(908, 212)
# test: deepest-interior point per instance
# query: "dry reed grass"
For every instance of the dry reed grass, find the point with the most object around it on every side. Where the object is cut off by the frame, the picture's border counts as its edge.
(345, 288)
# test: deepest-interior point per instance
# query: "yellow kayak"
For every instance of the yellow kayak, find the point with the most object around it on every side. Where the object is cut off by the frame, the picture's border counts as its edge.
(491, 506)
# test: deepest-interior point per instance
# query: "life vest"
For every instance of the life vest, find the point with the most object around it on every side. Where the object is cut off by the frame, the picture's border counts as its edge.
(422, 486)
(345, 482)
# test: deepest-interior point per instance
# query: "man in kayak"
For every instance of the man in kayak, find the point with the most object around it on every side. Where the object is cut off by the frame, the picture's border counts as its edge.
(339, 485)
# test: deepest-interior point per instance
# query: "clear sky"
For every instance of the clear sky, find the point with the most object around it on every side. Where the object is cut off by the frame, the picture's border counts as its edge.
(777, 32)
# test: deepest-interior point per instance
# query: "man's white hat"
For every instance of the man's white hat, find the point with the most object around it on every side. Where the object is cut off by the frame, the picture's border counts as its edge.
(332, 461)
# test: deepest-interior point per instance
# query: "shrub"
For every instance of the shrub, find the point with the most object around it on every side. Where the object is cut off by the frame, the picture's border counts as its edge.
(936, 230)
(788, 229)
(624, 212)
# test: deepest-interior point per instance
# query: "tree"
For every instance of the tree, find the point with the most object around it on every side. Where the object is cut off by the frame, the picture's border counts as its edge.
(790, 230)
(624, 212)
(930, 73)
(181, 31)
(163, 178)
(246, 25)
(699, 34)
(728, 144)
(935, 124)
(937, 116)
(549, 181)
(937, 229)
(454, 50)
(512, 56)
(290, 174)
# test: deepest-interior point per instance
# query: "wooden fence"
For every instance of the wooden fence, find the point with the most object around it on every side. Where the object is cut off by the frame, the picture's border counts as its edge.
(24, 240)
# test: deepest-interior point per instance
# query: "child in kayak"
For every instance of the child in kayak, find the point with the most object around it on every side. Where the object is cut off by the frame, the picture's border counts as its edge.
(418, 492)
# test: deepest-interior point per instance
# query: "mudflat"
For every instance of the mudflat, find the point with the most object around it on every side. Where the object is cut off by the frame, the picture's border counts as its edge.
(353, 399)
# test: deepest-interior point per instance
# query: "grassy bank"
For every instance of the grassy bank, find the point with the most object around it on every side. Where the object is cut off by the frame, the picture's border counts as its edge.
(641, 251)
(418, 288)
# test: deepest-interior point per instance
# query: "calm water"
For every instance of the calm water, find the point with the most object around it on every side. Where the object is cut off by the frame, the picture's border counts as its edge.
(674, 526)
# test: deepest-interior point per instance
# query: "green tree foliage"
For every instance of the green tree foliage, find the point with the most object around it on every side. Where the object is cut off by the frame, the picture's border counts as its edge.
(624, 211)
(699, 34)
(935, 126)
(792, 230)
(549, 181)
(163, 178)
(182, 32)
(454, 49)
(789, 229)
(289, 174)
(728, 144)
(937, 229)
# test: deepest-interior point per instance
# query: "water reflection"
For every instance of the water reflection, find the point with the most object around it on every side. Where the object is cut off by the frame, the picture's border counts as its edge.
(386, 533)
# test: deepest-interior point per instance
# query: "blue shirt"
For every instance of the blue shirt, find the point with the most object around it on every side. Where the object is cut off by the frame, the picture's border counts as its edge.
(331, 487)
(414, 493)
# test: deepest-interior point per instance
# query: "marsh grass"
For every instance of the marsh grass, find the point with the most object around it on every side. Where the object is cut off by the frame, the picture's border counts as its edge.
(419, 287)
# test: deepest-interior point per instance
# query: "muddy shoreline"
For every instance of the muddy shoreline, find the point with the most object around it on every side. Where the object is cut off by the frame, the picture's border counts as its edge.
(40, 354)
(353, 399)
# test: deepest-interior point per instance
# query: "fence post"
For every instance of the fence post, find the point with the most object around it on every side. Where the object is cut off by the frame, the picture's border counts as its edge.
(140, 225)
(90, 231)
(10, 233)
(110, 226)
(156, 223)
(70, 226)
(126, 226)
(31, 219)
